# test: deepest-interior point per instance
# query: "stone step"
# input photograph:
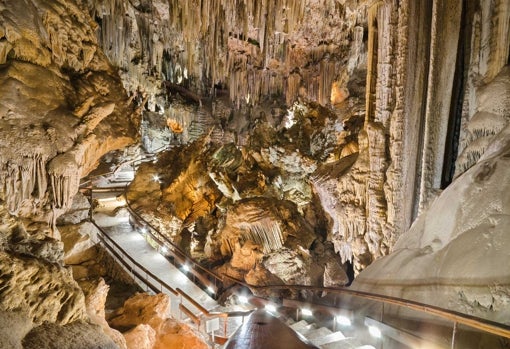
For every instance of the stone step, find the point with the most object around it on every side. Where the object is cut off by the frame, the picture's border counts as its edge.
(318, 333)
(299, 325)
(330, 338)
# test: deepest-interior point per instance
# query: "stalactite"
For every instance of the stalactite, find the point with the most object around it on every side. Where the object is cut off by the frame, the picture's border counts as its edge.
(23, 179)
(199, 37)
(265, 232)
(489, 38)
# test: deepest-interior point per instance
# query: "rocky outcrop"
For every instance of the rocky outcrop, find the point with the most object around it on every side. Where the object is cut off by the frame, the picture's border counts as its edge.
(492, 115)
(95, 300)
(46, 291)
(242, 206)
(148, 324)
(455, 247)
(61, 99)
(75, 335)
(39, 298)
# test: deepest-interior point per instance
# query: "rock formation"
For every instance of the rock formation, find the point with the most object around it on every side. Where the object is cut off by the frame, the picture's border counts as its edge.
(304, 138)
(219, 202)
(61, 99)
(148, 324)
(455, 248)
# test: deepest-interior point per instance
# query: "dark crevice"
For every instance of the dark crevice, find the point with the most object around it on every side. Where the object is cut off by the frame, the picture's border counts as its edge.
(456, 108)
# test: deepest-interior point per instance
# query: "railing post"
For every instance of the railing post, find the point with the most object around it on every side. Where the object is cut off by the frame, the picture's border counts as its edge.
(454, 332)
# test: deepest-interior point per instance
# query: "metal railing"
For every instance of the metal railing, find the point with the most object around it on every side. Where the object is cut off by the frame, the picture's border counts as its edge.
(460, 318)
(152, 283)
(130, 265)
(205, 275)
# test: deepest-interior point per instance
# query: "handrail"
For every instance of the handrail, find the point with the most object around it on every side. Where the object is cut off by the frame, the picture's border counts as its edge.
(451, 315)
(175, 248)
(190, 314)
(127, 266)
(103, 236)
(464, 319)
(138, 265)
(193, 302)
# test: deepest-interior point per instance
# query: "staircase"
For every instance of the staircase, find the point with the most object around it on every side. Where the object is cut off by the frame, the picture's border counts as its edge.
(324, 338)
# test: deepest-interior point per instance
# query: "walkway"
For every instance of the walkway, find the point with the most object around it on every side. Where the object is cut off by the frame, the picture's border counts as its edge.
(114, 220)
(131, 249)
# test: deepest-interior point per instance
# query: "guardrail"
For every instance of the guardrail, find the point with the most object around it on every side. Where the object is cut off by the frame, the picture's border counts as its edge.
(205, 275)
(144, 276)
(135, 269)
(151, 282)
(460, 318)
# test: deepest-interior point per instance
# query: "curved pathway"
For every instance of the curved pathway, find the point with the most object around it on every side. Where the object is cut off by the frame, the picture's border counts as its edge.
(115, 222)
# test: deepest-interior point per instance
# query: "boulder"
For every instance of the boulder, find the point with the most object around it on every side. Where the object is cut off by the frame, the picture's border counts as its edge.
(140, 337)
(142, 308)
(95, 299)
(79, 241)
(75, 335)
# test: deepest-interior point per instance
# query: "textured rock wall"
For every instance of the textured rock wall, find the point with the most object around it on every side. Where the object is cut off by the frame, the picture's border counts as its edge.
(400, 60)
(487, 37)
(455, 254)
(62, 106)
(61, 101)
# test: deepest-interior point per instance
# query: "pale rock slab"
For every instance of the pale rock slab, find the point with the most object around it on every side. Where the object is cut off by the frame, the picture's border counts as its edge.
(452, 255)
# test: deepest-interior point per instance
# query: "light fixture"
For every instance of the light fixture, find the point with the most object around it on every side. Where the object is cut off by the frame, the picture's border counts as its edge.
(242, 299)
(306, 312)
(185, 267)
(210, 289)
(155, 178)
(343, 320)
(374, 331)
(143, 230)
(270, 308)
(164, 249)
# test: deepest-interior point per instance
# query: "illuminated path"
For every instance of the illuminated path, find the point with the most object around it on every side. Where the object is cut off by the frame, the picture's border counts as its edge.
(119, 229)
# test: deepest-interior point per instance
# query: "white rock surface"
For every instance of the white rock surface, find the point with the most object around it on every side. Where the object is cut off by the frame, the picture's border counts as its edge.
(454, 255)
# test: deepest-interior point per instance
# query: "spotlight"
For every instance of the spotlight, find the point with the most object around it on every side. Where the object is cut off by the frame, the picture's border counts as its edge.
(374, 331)
(270, 308)
(143, 230)
(164, 249)
(242, 299)
(210, 289)
(155, 178)
(185, 267)
(343, 320)
(306, 312)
